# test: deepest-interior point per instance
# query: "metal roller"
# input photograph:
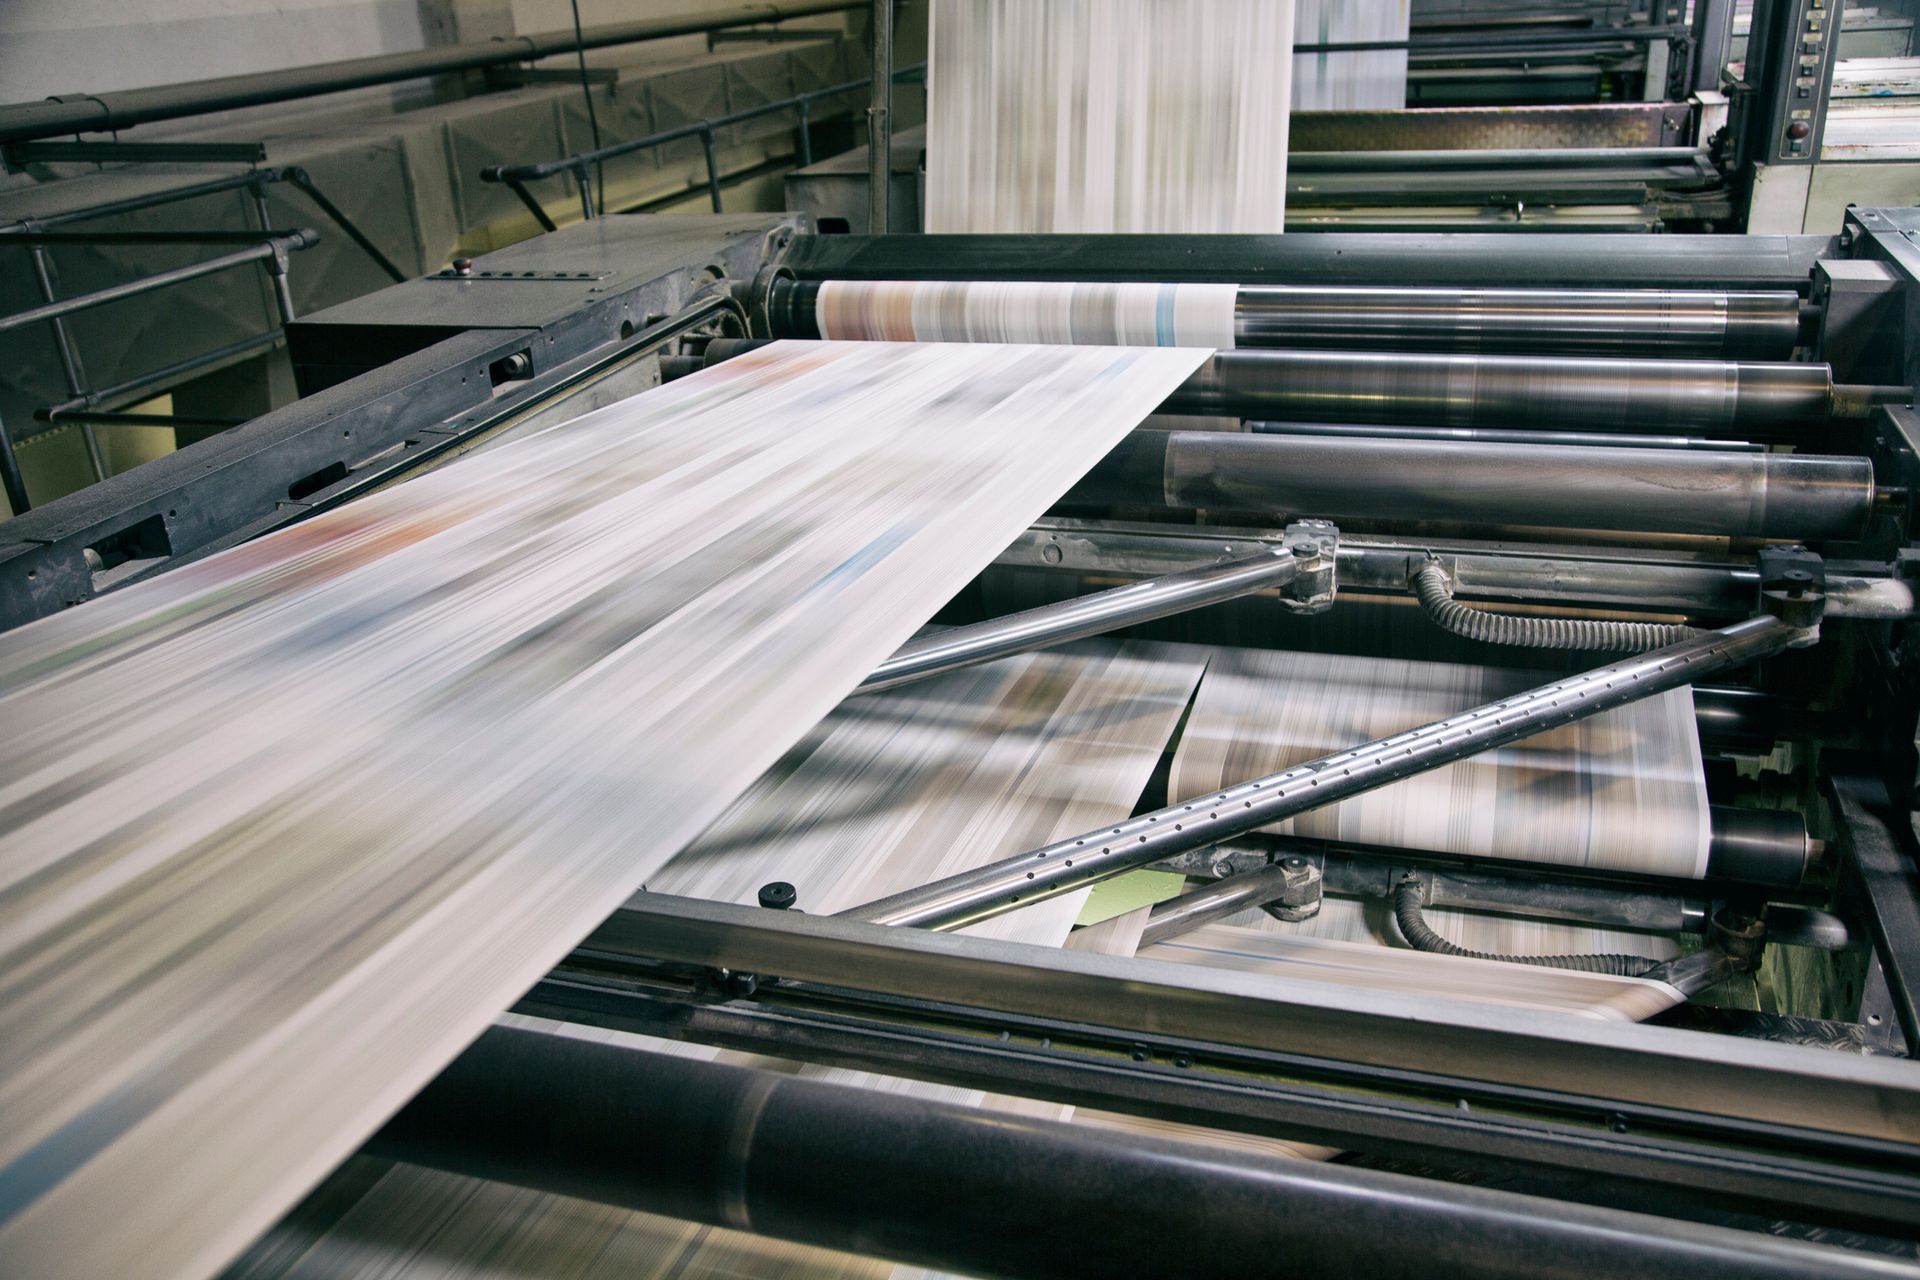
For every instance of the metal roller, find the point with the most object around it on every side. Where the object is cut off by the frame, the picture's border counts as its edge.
(947, 1187)
(1499, 435)
(1751, 495)
(1751, 326)
(1664, 322)
(1583, 393)
(1669, 397)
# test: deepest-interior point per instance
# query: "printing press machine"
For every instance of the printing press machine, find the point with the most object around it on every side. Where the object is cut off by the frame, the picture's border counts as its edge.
(1729, 447)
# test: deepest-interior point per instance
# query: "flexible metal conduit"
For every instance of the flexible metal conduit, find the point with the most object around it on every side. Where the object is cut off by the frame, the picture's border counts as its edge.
(1409, 906)
(1429, 583)
(91, 112)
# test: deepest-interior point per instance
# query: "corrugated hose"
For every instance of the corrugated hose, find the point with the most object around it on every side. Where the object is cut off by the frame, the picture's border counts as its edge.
(1409, 907)
(1429, 583)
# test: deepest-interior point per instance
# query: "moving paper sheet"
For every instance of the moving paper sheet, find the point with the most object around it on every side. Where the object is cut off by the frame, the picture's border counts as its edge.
(281, 831)
(1370, 968)
(1369, 80)
(1108, 115)
(1620, 791)
(1143, 315)
(890, 790)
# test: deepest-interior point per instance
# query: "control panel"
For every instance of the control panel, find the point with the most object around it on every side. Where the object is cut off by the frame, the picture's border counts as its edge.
(1801, 50)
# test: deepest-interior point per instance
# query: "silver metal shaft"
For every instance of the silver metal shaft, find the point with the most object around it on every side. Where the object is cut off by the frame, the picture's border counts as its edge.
(1600, 322)
(1754, 495)
(1216, 901)
(1502, 435)
(1588, 393)
(1076, 862)
(1090, 615)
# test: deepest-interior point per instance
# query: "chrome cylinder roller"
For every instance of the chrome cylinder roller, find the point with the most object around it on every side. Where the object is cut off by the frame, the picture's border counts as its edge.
(1601, 322)
(1671, 397)
(1747, 495)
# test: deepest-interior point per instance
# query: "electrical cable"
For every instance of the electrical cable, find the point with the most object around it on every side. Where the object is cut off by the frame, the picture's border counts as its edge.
(1429, 583)
(1409, 904)
(586, 92)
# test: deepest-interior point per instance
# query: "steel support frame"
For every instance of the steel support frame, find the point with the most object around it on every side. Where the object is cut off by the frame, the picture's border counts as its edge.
(751, 1149)
(1747, 1123)
(1570, 1147)
(1879, 845)
(1657, 582)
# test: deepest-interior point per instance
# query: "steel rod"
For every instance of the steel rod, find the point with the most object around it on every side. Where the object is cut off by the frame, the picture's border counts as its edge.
(522, 173)
(1502, 435)
(1206, 820)
(880, 121)
(944, 651)
(160, 377)
(11, 477)
(1019, 1196)
(1492, 158)
(69, 357)
(132, 204)
(304, 181)
(265, 249)
(1216, 901)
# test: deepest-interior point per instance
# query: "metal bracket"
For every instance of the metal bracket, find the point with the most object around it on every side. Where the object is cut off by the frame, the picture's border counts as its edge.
(1316, 551)
(1793, 588)
(1302, 896)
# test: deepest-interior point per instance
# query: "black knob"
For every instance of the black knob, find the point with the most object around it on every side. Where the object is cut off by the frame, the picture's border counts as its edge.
(777, 896)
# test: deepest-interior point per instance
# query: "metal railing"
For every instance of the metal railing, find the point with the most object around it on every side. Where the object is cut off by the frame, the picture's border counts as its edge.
(268, 246)
(86, 406)
(580, 164)
(97, 112)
